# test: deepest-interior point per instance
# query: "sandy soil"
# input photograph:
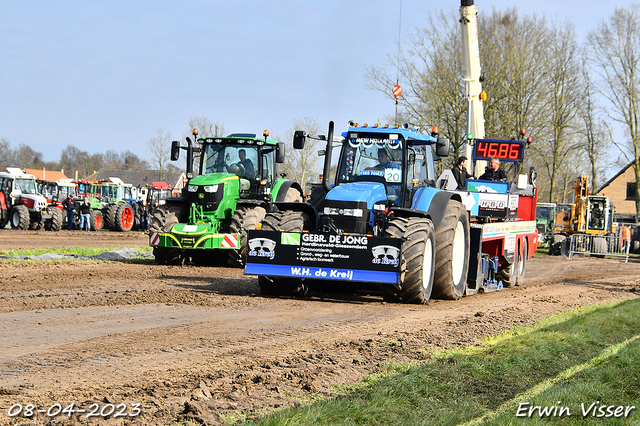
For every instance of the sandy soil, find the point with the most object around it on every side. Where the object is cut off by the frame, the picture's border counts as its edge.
(199, 344)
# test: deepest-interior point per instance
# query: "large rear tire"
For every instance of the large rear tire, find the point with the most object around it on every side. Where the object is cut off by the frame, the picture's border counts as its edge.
(244, 219)
(452, 253)
(417, 262)
(19, 217)
(283, 286)
(124, 218)
(109, 215)
(164, 218)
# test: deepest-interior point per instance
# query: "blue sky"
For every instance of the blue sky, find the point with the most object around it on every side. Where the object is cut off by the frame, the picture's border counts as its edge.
(107, 74)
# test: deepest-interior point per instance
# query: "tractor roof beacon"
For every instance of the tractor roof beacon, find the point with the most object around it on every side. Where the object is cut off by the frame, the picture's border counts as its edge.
(388, 223)
(237, 185)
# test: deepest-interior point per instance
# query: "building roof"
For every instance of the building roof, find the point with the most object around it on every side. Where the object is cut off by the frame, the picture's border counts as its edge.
(140, 178)
(607, 183)
(48, 175)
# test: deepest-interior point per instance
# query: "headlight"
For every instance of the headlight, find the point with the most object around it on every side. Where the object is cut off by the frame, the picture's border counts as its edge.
(192, 188)
(343, 212)
(211, 188)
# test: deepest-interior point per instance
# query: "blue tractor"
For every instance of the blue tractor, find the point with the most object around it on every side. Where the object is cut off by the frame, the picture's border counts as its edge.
(382, 222)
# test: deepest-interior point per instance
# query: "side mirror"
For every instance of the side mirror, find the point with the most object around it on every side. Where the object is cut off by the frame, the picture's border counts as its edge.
(280, 153)
(299, 136)
(175, 150)
(442, 147)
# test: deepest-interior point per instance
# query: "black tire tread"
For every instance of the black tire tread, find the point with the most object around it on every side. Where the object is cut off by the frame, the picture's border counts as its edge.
(415, 231)
(443, 286)
(244, 219)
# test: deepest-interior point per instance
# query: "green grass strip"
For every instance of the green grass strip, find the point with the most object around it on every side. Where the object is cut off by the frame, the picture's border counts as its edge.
(77, 251)
(586, 359)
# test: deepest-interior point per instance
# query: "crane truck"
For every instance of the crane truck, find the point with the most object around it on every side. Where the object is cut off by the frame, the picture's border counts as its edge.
(388, 223)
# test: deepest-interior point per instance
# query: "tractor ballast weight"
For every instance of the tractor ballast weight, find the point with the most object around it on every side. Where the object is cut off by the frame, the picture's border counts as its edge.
(237, 186)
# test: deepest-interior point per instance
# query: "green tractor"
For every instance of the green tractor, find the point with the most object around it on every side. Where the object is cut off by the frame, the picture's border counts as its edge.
(545, 215)
(119, 215)
(237, 186)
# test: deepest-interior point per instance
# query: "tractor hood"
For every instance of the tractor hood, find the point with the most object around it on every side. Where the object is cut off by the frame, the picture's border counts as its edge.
(212, 178)
(367, 192)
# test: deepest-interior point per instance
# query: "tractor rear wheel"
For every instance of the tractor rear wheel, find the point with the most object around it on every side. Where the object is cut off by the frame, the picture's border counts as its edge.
(96, 220)
(244, 219)
(124, 218)
(164, 218)
(417, 261)
(55, 223)
(283, 286)
(452, 253)
(19, 216)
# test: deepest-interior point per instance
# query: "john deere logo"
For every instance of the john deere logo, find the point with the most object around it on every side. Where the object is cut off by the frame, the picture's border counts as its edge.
(201, 195)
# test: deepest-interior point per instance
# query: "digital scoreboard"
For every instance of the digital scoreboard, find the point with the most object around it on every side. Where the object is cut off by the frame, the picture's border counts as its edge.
(502, 149)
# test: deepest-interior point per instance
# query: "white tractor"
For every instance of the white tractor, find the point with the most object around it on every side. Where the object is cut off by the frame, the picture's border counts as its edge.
(26, 208)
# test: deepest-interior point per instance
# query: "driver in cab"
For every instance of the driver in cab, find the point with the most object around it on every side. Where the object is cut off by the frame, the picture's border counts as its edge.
(383, 160)
(244, 167)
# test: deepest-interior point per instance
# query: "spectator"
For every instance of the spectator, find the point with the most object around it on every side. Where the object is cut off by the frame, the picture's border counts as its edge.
(460, 172)
(494, 172)
(85, 214)
(144, 216)
(70, 206)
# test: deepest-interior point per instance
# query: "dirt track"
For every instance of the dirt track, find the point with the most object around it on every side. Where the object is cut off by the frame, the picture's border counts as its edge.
(201, 343)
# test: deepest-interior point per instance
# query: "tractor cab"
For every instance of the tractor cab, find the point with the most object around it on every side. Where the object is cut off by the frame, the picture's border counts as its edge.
(240, 156)
(599, 215)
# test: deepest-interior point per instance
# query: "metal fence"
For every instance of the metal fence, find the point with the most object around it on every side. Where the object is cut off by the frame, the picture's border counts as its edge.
(599, 245)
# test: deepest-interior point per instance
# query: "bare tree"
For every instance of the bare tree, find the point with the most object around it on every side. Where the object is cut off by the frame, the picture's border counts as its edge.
(6, 154)
(615, 58)
(206, 127)
(304, 165)
(159, 148)
(430, 71)
(593, 128)
(562, 99)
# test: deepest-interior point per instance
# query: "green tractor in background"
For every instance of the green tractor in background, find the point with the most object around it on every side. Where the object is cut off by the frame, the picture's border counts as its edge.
(545, 217)
(119, 215)
(237, 186)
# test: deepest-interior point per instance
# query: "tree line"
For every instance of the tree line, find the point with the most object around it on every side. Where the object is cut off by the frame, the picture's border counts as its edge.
(567, 95)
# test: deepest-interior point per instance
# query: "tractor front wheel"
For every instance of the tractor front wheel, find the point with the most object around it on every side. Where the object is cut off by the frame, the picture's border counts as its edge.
(19, 217)
(96, 221)
(244, 219)
(417, 259)
(55, 223)
(164, 219)
(283, 286)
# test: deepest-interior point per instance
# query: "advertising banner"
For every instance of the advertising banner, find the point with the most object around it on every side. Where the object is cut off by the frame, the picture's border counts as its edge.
(324, 256)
